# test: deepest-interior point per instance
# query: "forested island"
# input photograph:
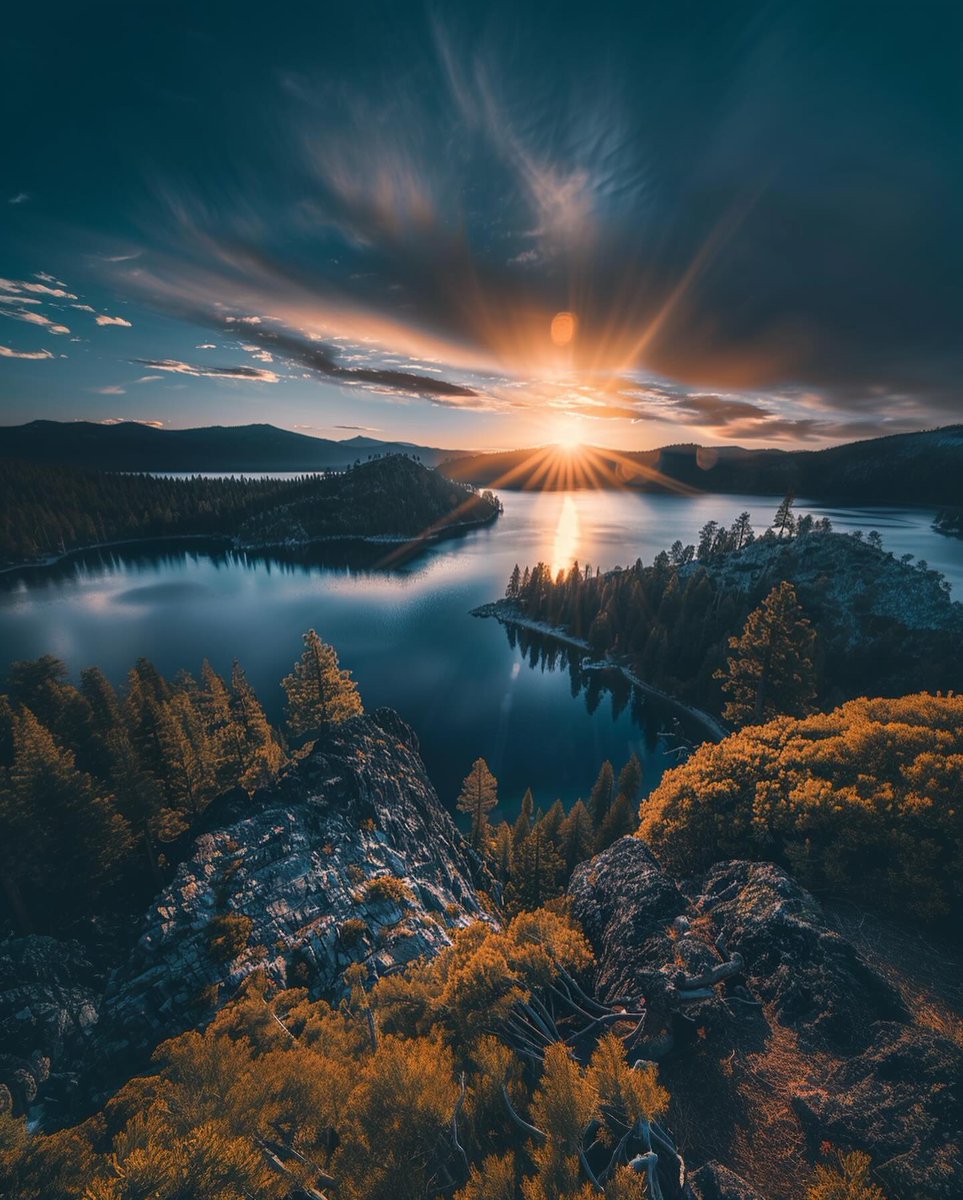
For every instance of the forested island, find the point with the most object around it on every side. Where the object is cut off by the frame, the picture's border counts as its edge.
(818, 616)
(46, 512)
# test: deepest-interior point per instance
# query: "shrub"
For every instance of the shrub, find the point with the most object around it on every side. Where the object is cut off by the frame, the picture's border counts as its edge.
(388, 887)
(864, 800)
(227, 936)
(352, 931)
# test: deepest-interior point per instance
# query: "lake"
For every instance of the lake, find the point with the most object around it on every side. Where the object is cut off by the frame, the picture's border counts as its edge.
(405, 629)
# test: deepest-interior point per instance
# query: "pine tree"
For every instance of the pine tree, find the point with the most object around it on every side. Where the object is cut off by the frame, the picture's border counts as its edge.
(770, 670)
(784, 521)
(535, 874)
(630, 779)
(501, 852)
(600, 798)
(514, 584)
(741, 532)
(619, 820)
(256, 745)
(320, 694)
(523, 824)
(479, 795)
(576, 837)
(552, 821)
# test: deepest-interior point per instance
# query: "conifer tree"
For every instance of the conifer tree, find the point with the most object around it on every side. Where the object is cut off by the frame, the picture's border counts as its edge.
(523, 823)
(784, 522)
(191, 776)
(552, 821)
(619, 821)
(479, 795)
(630, 779)
(576, 837)
(600, 798)
(260, 755)
(501, 852)
(770, 670)
(320, 694)
(514, 583)
(536, 873)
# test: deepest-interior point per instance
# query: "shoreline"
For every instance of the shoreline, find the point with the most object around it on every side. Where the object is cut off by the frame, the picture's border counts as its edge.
(506, 614)
(226, 541)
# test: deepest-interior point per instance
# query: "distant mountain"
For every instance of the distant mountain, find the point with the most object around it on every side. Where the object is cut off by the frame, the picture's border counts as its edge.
(129, 446)
(908, 468)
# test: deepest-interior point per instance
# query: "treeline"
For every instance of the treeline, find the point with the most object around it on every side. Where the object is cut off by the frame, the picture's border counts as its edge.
(50, 510)
(46, 511)
(96, 784)
(675, 622)
(533, 857)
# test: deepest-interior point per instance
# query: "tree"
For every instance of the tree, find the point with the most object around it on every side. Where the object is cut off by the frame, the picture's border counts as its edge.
(630, 779)
(320, 694)
(514, 584)
(523, 824)
(741, 533)
(479, 795)
(848, 1178)
(576, 837)
(619, 821)
(600, 798)
(260, 756)
(784, 521)
(770, 670)
(535, 874)
(501, 851)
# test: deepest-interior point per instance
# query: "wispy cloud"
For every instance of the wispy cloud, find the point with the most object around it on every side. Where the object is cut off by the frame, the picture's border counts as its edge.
(7, 352)
(176, 367)
(19, 198)
(103, 319)
(112, 390)
(34, 318)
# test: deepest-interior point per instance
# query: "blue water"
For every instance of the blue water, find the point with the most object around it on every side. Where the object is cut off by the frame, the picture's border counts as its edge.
(405, 630)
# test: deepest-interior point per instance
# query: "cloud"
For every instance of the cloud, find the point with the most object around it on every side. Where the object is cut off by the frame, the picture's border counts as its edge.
(19, 198)
(34, 318)
(19, 286)
(356, 428)
(113, 390)
(206, 346)
(6, 352)
(149, 379)
(320, 358)
(131, 421)
(244, 320)
(105, 320)
(244, 374)
(83, 308)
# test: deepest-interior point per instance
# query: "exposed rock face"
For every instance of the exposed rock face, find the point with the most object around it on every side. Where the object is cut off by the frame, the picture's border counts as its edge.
(283, 883)
(767, 1020)
(873, 1101)
(716, 1182)
(48, 1005)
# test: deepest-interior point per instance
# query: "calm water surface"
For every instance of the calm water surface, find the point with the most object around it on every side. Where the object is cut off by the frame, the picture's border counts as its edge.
(405, 629)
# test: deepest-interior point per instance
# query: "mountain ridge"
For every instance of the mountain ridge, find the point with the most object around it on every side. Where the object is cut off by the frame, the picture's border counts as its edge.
(132, 446)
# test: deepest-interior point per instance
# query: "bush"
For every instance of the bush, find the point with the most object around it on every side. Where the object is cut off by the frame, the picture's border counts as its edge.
(352, 931)
(864, 801)
(228, 934)
(388, 887)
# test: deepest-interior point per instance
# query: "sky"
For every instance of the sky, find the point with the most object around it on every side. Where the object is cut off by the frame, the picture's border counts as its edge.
(486, 226)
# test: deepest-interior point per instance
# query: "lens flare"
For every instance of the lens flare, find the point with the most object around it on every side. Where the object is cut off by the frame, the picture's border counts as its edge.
(563, 328)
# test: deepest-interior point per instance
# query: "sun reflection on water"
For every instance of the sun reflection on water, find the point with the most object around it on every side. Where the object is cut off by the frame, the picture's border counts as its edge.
(565, 545)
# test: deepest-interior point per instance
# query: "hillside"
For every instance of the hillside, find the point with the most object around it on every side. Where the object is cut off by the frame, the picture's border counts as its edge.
(130, 446)
(911, 468)
(47, 511)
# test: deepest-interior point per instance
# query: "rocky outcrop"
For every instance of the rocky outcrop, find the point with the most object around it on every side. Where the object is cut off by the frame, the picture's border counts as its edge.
(350, 858)
(49, 994)
(766, 1019)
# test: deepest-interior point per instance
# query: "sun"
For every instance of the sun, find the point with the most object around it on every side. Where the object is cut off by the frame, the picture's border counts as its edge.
(567, 437)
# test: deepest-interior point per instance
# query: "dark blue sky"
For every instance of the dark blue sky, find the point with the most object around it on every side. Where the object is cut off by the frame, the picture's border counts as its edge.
(366, 216)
